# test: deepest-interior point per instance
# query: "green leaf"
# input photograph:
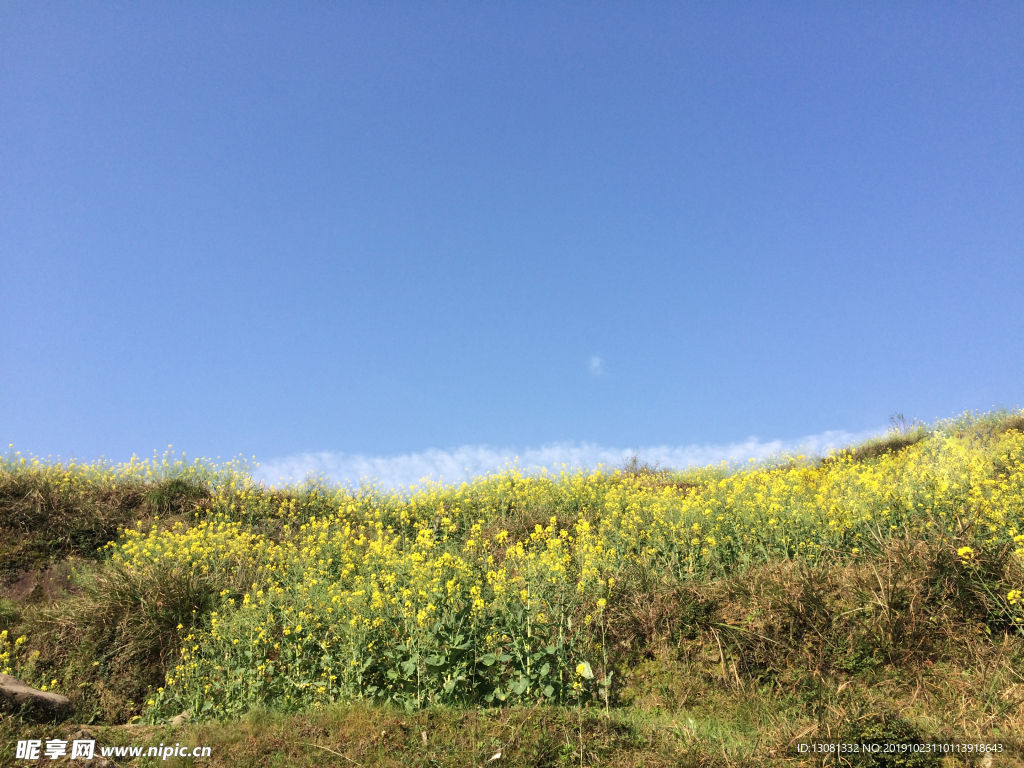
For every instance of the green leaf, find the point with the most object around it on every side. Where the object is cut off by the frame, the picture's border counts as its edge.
(487, 659)
(545, 669)
(549, 691)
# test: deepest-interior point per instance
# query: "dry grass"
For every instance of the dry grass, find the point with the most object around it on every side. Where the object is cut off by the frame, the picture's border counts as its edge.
(44, 518)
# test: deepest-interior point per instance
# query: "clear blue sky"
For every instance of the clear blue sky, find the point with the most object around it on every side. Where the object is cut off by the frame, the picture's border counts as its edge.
(382, 228)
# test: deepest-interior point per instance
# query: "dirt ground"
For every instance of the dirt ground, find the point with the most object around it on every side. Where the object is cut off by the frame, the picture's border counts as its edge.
(41, 585)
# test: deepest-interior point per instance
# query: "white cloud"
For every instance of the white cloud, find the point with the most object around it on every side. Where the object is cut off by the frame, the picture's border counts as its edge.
(454, 466)
(596, 366)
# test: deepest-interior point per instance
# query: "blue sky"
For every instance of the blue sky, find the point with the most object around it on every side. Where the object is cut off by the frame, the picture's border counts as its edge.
(383, 230)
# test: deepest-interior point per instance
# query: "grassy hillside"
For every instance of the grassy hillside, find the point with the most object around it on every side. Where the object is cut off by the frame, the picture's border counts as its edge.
(724, 615)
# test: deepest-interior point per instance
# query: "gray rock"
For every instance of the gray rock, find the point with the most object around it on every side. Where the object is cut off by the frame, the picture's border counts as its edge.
(98, 760)
(35, 704)
(179, 720)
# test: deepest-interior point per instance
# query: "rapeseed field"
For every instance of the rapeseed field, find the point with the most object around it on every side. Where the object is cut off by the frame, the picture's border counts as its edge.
(515, 588)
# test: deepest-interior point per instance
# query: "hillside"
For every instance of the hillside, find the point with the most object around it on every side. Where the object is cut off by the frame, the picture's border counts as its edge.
(718, 616)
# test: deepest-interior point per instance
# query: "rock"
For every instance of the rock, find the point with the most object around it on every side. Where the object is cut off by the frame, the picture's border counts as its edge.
(98, 760)
(179, 720)
(35, 704)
